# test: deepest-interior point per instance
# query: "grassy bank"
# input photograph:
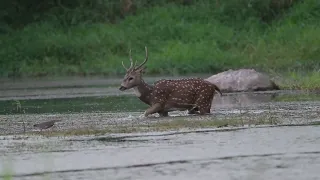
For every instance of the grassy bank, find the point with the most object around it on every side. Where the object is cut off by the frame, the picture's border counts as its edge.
(297, 80)
(179, 124)
(203, 37)
(172, 125)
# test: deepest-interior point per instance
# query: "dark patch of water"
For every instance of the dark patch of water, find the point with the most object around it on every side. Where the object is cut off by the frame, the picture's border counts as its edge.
(68, 105)
(117, 139)
(130, 103)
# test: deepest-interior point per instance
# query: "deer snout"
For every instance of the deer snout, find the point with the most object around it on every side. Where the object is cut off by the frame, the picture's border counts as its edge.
(122, 88)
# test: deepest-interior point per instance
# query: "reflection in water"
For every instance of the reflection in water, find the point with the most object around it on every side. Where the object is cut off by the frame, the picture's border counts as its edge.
(243, 99)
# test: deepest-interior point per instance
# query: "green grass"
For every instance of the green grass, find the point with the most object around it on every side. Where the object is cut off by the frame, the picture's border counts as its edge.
(161, 126)
(198, 38)
(174, 124)
(301, 97)
(298, 80)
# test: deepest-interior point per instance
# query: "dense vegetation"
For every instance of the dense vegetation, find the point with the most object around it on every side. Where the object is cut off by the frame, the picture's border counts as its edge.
(84, 37)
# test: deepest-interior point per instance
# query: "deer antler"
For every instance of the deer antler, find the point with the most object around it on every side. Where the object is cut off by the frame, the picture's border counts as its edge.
(124, 66)
(131, 61)
(144, 60)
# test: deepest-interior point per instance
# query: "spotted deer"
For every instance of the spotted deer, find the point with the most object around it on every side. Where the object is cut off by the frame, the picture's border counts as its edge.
(192, 94)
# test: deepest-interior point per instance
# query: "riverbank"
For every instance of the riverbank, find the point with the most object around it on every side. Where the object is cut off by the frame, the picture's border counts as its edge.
(201, 37)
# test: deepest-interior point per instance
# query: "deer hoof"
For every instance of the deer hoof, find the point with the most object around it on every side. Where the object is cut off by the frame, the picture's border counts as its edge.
(144, 115)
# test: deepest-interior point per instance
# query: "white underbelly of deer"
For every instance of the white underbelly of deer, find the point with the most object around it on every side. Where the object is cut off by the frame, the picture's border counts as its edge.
(136, 91)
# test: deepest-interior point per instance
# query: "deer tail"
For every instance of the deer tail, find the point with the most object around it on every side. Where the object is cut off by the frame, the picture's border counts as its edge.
(217, 89)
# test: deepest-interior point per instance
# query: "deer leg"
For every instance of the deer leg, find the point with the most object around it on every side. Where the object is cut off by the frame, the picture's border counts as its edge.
(196, 108)
(193, 110)
(153, 109)
(206, 110)
(163, 113)
(204, 104)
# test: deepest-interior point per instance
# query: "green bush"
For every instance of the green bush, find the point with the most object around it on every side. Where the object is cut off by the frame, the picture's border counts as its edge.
(201, 37)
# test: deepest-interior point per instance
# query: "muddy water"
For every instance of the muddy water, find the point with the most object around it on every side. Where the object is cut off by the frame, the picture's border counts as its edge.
(260, 152)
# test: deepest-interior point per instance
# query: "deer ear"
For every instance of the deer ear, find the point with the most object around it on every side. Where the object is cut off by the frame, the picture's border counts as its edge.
(142, 70)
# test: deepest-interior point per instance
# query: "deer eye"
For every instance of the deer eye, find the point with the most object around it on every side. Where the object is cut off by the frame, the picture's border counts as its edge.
(130, 78)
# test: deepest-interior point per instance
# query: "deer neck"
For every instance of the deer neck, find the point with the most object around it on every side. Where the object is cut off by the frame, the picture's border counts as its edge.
(143, 92)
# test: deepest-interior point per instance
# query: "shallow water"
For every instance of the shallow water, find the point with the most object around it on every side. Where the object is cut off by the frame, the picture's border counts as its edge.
(243, 152)
(259, 153)
(287, 107)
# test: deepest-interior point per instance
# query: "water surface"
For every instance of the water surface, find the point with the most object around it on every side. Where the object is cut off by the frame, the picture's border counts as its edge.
(260, 153)
(287, 149)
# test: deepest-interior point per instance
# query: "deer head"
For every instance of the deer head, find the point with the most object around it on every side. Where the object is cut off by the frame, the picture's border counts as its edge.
(133, 76)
